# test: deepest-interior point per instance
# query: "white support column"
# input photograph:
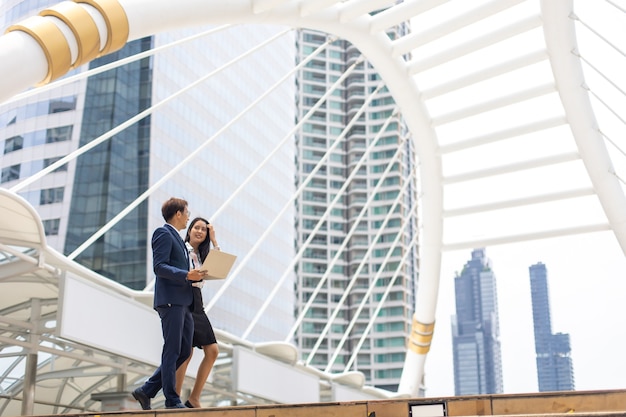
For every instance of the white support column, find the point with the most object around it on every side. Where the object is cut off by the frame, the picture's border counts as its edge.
(30, 371)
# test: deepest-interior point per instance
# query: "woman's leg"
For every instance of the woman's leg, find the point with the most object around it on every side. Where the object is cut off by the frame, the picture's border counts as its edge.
(180, 373)
(210, 355)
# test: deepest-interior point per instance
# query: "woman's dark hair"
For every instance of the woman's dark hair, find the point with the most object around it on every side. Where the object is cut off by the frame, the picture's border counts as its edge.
(172, 206)
(205, 245)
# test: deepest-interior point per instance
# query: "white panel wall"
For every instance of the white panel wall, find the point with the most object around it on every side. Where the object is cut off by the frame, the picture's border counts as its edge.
(101, 318)
(267, 378)
(343, 393)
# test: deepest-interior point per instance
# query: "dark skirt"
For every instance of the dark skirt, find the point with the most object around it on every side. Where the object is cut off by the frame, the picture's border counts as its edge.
(203, 334)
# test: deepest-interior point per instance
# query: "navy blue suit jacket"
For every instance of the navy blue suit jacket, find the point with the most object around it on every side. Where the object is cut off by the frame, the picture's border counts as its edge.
(171, 264)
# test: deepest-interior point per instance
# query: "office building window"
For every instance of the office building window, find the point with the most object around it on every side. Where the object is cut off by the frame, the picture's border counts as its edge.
(51, 227)
(13, 144)
(58, 134)
(62, 104)
(10, 173)
(55, 105)
(389, 373)
(51, 195)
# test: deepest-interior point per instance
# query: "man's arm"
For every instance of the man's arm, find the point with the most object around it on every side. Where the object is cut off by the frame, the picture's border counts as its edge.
(162, 243)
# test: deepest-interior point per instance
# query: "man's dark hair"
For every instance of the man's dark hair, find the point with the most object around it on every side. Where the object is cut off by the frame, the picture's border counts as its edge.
(172, 206)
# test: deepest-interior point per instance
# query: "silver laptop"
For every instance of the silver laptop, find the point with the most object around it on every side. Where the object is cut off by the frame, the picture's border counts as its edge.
(218, 264)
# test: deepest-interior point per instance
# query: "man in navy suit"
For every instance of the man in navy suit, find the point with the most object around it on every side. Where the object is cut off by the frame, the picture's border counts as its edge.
(172, 300)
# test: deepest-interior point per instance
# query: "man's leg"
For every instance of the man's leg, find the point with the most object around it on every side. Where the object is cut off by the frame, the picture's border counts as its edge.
(154, 384)
(186, 339)
(173, 324)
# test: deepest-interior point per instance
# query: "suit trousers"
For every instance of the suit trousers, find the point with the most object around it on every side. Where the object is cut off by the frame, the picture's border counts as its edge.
(177, 326)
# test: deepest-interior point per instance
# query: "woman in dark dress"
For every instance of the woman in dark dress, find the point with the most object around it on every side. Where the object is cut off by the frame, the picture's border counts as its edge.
(200, 235)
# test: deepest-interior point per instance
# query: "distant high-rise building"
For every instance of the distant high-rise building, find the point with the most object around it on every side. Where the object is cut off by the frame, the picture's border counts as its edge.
(475, 329)
(555, 371)
(337, 267)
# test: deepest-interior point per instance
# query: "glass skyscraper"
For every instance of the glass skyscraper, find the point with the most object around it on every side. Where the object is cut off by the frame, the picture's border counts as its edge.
(335, 272)
(475, 329)
(555, 371)
(83, 195)
(110, 176)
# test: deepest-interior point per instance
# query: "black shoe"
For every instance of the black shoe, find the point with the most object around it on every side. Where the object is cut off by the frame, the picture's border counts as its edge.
(188, 404)
(179, 405)
(143, 399)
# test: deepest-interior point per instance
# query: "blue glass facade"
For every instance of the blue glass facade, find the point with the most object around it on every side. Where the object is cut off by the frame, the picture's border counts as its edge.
(475, 329)
(111, 176)
(555, 370)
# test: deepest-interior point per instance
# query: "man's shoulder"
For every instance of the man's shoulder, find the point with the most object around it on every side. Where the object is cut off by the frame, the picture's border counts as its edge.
(161, 231)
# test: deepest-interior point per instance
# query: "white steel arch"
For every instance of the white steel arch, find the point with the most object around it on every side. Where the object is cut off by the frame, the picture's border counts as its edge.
(42, 49)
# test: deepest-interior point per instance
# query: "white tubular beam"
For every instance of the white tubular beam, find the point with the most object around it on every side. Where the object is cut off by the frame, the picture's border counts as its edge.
(485, 74)
(500, 102)
(507, 169)
(518, 202)
(502, 135)
(560, 38)
(419, 65)
(410, 42)
(23, 63)
(546, 234)
(65, 35)
(147, 17)
(115, 64)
